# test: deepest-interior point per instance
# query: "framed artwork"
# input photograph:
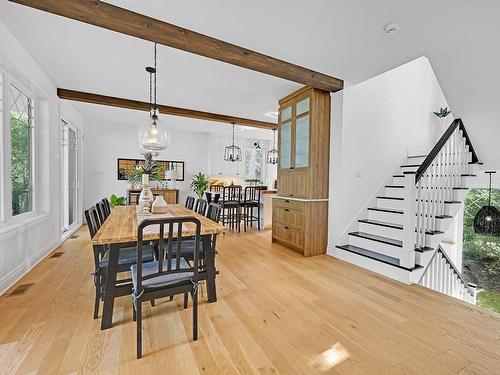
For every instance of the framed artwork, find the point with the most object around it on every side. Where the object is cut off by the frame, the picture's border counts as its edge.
(173, 169)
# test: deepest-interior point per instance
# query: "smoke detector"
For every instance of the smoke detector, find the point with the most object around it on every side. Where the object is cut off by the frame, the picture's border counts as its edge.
(391, 28)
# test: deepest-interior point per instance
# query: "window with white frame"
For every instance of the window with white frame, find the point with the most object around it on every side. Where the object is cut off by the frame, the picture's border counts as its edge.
(21, 150)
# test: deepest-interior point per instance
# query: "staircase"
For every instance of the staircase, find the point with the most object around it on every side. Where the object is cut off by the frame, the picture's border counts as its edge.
(400, 233)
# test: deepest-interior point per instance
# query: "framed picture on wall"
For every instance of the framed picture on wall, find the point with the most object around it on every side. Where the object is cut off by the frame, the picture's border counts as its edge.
(173, 169)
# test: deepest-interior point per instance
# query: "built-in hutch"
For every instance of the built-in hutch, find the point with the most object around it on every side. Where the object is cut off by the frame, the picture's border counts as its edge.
(300, 209)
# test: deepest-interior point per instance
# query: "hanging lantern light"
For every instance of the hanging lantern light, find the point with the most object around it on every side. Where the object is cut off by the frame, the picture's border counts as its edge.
(487, 220)
(272, 154)
(153, 136)
(232, 153)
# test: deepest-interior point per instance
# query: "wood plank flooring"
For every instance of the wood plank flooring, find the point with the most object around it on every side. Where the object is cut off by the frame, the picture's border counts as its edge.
(277, 313)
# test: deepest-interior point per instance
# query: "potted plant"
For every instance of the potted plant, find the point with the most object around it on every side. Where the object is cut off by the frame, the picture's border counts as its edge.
(442, 114)
(199, 184)
(116, 201)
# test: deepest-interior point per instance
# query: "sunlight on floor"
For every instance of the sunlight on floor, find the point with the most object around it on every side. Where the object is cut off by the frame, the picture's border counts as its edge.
(330, 358)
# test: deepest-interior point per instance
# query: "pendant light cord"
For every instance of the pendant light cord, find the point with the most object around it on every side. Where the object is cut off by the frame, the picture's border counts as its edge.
(155, 76)
(489, 193)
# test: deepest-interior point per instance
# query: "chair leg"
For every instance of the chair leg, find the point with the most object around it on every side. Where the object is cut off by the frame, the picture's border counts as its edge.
(97, 302)
(195, 315)
(152, 303)
(171, 298)
(186, 296)
(139, 329)
(134, 314)
(258, 217)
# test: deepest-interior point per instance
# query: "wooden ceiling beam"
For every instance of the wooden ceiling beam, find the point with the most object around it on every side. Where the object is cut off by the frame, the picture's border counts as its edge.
(111, 101)
(111, 17)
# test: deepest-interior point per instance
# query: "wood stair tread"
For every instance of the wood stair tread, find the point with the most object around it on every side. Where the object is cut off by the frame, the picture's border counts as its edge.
(393, 198)
(381, 223)
(376, 256)
(374, 237)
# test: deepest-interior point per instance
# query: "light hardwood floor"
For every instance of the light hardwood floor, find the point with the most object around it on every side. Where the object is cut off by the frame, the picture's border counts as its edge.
(277, 313)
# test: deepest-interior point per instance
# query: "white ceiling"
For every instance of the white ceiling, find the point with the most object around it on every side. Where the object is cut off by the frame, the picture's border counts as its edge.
(337, 37)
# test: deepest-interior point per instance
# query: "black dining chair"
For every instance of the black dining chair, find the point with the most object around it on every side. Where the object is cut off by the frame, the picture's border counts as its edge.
(217, 188)
(231, 206)
(201, 206)
(126, 258)
(251, 201)
(189, 202)
(107, 206)
(101, 211)
(213, 212)
(171, 274)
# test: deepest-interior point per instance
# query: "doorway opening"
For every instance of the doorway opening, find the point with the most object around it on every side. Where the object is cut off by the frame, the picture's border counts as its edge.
(69, 146)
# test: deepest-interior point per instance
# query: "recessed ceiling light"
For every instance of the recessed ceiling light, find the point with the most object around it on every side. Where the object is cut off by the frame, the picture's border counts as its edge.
(391, 28)
(272, 114)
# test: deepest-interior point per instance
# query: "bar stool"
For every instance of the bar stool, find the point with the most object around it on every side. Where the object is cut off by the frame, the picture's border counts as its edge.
(251, 200)
(231, 206)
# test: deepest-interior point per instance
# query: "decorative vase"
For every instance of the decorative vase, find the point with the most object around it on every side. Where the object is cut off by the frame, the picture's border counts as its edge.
(146, 196)
(159, 205)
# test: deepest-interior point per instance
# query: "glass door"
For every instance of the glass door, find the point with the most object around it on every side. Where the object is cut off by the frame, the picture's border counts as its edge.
(69, 176)
(285, 138)
(302, 134)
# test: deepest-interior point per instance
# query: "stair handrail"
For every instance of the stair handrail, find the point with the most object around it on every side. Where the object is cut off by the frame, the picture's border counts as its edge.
(453, 268)
(439, 145)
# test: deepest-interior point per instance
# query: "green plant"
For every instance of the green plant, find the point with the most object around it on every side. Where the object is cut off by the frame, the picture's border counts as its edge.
(443, 112)
(117, 201)
(199, 184)
(155, 173)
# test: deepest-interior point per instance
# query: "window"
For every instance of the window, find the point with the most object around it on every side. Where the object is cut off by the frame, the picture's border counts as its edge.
(254, 164)
(21, 150)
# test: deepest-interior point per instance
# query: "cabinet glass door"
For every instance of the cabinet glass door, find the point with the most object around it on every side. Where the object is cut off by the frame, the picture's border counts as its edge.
(302, 142)
(285, 145)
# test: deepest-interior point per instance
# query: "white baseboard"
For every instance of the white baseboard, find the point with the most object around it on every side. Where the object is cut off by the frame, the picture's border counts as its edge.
(21, 270)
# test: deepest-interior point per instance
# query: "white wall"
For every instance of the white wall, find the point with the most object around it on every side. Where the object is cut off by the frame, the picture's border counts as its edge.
(105, 142)
(374, 126)
(23, 243)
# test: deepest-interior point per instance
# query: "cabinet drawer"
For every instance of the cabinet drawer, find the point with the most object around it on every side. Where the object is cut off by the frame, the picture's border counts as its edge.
(289, 204)
(288, 216)
(290, 234)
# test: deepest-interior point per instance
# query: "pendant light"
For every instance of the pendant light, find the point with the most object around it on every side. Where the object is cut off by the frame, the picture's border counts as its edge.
(487, 220)
(232, 153)
(153, 136)
(272, 154)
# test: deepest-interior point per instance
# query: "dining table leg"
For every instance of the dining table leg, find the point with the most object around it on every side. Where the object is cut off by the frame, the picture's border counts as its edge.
(210, 264)
(110, 287)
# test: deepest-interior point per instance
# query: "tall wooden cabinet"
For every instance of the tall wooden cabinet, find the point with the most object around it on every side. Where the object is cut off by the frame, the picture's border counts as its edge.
(300, 210)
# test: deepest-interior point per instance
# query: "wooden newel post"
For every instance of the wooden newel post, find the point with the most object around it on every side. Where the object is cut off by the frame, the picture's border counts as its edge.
(407, 258)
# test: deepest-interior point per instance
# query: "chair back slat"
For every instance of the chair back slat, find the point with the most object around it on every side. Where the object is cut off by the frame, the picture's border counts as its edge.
(101, 210)
(179, 268)
(216, 188)
(107, 206)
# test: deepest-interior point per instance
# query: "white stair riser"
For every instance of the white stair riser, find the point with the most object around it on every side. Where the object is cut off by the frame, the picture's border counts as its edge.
(394, 192)
(400, 181)
(388, 217)
(468, 181)
(379, 230)
(415, 160)
(375, 246)
(374, 266)
(423, 258)
(393, 204)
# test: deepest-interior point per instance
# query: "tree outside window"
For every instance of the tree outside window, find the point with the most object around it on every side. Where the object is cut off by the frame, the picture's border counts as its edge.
(254, 164)
(20, 144)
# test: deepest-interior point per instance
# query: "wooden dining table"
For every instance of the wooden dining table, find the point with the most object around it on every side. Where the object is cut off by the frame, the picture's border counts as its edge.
(120, 230)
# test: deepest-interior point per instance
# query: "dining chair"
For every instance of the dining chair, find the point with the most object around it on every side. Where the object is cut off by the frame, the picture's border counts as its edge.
(201, 206)
(107, 206)
(216, 188)
(189, 202)
(213, 212)
(231, 206)
(251, 201)
(126, 258)
(101, 211)
(171, 274)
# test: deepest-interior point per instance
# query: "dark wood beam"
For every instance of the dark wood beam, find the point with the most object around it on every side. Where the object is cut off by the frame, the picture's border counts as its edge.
(111, 17)
(165, 109)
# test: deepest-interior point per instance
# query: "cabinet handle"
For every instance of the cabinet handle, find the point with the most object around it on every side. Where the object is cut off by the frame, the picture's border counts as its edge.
(287, 201)
(291, 195)
(287, 228)
(292, 167)
(286, 209)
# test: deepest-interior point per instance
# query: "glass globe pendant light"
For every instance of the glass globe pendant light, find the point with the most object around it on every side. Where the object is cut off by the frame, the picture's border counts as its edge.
(272, 154)
(153, 136)
(232, 152)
